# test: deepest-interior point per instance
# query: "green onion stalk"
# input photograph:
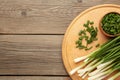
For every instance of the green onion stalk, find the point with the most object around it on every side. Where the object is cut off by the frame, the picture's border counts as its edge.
(101, 62)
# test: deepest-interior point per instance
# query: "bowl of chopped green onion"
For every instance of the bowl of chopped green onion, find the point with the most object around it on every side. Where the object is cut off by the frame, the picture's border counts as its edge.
(110, 24)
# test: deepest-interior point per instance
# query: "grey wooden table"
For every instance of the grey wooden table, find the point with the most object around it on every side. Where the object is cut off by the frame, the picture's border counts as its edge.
(31, 33)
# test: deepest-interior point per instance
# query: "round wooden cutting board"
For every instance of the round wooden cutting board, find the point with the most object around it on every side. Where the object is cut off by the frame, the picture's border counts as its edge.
(69, 50)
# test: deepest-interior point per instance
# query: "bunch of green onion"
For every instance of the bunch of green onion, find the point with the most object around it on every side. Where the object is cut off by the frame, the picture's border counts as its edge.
(101, 62)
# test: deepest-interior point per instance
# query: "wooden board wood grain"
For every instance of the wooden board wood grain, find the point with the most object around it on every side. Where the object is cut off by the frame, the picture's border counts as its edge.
(41, 16)
(33, 78)
(24, 54)
(69, 50)
(31, 55)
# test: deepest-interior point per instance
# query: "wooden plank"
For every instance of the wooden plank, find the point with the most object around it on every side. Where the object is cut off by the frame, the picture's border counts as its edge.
(33, 78)
(41, 16)
(31, 55)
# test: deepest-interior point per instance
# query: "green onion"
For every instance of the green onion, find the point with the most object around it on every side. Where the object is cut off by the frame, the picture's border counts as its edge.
(97, 45)
(115, 76)
(101, 62)
(111, 23)
(83, 35)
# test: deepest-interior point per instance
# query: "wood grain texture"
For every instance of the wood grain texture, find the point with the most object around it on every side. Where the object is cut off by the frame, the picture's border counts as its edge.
(33, 78)
(36, 54)
(31, 55)
(41, 16)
